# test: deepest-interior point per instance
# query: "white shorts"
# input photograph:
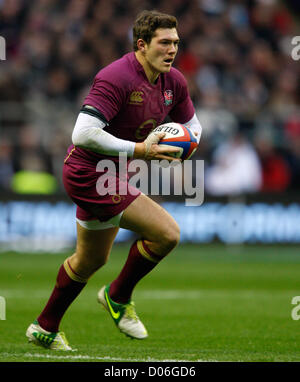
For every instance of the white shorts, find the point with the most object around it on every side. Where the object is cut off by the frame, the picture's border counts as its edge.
(96, 224)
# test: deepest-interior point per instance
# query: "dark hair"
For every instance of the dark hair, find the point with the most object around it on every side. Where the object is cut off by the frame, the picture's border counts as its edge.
(146, 24)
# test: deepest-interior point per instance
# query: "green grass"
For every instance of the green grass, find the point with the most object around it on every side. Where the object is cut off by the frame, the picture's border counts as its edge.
(208, 302)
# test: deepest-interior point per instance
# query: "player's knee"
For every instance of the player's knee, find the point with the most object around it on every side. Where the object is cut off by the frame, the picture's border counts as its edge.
(100, 262)
(89, 264)
(170, 237)
(96, 263)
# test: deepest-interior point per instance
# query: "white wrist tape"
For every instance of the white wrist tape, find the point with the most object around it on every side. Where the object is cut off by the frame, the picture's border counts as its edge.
(88, 133)
(149, 141)
(195, 126)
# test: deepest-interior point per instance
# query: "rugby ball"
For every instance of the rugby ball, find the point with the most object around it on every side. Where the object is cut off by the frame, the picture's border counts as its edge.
(180, 136)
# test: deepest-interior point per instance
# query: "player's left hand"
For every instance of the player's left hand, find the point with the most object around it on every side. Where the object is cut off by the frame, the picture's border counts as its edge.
(149, 149)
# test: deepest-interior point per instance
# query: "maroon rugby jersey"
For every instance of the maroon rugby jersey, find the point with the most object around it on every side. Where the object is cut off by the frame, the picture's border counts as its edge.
(132, 105)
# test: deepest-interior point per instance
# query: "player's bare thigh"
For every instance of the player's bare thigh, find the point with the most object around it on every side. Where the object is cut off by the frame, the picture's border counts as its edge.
(153, 223)
(92, 249)
(143, 216)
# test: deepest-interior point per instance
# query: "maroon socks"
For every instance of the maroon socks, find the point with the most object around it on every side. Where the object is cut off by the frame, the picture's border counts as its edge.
(139, 263)
(67, 288)
(141, 260)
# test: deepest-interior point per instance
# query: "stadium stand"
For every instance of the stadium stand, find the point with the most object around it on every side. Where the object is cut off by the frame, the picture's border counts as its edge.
(236, 56)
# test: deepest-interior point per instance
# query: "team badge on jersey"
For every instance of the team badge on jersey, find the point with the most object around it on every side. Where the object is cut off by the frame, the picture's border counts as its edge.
(168, 96)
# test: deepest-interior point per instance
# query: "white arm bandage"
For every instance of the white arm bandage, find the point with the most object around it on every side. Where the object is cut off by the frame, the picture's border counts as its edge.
(195, 126)
(88, 133)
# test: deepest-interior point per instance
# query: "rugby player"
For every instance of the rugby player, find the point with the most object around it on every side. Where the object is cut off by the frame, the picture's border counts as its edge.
(127, 100)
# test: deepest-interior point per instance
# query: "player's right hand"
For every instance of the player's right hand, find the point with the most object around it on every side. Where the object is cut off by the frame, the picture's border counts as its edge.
(149, 149)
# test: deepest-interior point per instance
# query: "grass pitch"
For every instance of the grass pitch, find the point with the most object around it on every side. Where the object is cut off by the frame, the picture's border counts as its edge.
(202, 303)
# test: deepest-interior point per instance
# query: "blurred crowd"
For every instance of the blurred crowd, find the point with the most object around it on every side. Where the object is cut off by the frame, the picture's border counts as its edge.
(235, 55)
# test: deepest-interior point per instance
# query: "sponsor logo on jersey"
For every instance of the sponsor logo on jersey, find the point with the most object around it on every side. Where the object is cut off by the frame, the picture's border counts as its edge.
(136, 98)
(168, 96)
